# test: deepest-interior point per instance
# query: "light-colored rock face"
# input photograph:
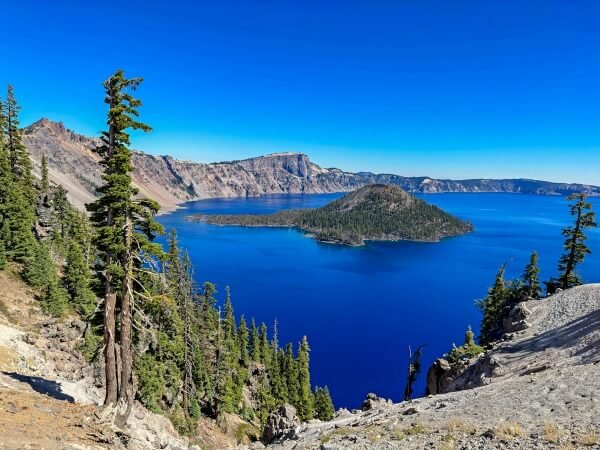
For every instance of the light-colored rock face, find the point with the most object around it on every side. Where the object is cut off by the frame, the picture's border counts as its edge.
(562, 330)
(294, 163)
(73, 164)
(543, 393)
(48, 393)
(280, 424)
(71, 160)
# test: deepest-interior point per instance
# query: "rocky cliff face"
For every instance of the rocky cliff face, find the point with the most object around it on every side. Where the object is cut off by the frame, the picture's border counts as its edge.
(73, 164)
(560, 331)
(48, 392)
(537, 389)
(71, 160)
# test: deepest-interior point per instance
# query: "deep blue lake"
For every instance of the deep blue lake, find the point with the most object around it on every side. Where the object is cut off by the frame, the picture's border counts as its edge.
(362, 307)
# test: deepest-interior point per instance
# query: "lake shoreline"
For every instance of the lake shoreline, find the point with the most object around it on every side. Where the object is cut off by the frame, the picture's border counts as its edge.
(170, 208)
(383, 295)
(312, 234)
(377, 212)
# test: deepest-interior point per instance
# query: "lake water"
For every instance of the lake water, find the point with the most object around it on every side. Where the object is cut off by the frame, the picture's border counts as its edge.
(362, 307)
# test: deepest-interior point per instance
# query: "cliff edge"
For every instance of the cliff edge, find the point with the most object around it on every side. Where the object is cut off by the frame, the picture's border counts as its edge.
(539, 388)
(171, 182)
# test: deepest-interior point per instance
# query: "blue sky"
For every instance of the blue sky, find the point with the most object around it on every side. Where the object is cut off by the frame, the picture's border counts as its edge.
(438, 88)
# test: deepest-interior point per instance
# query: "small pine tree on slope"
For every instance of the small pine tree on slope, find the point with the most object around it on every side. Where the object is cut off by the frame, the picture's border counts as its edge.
(575, 248)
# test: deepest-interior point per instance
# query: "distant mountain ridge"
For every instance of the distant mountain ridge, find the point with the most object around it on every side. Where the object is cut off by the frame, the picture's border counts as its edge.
(73, 164)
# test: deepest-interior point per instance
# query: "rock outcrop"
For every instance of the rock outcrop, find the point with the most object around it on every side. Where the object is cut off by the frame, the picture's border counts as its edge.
(48, 392)
(73, 164)
(517, 319)
(538, 389)
(281, 424)
(373, 401)
(43, 211)
(445, 376)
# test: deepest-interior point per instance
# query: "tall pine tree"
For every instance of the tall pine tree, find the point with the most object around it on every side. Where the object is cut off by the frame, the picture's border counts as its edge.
(305, 404)
(125, 231)
(55, 298)
(291, 375)
(492, 307)
(19, 210)
(254, 342)
(531, 277)
(5, 176)
(575, 248)
(40, 272)
(181, 287)
(61, 214)
(324, 408)
(19, 159)
(275, 369)
(44, 183)
(229, 392)
(243, 341)
(77, 278)
(264, 349)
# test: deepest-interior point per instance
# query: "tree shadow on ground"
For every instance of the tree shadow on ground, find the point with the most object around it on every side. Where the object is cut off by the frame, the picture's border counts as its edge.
(42, 386)
(581, 337)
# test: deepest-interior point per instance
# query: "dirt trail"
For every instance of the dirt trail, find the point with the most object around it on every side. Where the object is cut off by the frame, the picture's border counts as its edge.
(48, 396)
(32, 420)
(37, 410)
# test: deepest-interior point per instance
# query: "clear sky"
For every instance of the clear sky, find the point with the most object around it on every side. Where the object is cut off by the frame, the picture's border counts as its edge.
(440, 88)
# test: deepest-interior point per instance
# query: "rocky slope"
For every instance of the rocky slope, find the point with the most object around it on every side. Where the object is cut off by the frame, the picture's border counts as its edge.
(171, 182)
(537, 389)
(48, 393)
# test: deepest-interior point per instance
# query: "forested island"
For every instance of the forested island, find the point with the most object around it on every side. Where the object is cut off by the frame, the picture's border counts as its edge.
(376, 212)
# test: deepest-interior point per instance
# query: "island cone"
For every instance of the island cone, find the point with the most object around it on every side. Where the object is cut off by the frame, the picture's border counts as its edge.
(376, 212)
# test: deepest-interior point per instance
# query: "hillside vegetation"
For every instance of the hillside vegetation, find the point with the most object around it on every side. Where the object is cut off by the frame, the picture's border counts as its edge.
(375, 212)
(156, 339)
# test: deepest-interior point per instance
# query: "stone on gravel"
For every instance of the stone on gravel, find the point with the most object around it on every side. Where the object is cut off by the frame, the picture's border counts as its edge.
(281, 424)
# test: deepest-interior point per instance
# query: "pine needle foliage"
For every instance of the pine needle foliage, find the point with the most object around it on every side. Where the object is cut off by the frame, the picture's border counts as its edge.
(324, 408)
(190, 354)
(575, 248)
(466, 351)
(17, 191)
(531, 277)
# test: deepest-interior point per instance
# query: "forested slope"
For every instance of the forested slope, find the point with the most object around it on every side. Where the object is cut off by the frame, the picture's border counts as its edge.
(374, 212)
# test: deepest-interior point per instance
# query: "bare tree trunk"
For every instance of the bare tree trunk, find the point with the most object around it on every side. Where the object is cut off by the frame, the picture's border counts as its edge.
(110, 305)
(110, 357)
(186, 390)
(414, 367)
(126, 387)
(186, 385)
